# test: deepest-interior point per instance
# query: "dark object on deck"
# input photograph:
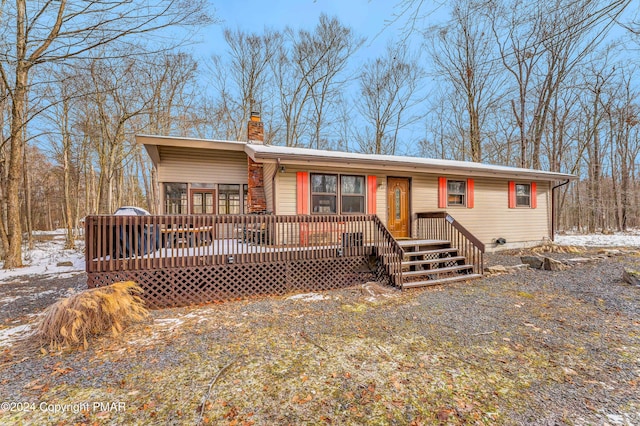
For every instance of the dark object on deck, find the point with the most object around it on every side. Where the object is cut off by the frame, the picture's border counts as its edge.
(132, 239)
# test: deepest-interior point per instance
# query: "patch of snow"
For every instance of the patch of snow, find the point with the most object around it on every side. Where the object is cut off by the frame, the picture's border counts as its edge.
(168, 322)
(10, 335)
(308, 297)
(619, 239)
(44, 260)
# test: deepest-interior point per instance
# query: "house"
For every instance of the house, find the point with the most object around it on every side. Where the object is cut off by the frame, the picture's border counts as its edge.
(503, 207)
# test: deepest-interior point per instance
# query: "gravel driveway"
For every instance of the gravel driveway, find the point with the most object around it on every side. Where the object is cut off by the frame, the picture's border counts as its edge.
(527, 347)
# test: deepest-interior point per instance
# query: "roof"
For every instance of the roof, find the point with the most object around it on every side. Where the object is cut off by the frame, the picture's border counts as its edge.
(317, 157)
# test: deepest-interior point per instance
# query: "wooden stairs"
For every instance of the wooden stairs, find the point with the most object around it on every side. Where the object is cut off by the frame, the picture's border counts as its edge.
(433, 262)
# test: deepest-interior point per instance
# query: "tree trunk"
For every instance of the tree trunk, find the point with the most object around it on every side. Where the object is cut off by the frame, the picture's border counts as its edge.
(13, 254)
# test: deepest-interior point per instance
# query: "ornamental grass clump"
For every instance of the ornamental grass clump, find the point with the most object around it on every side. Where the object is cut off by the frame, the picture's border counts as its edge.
(69, 322)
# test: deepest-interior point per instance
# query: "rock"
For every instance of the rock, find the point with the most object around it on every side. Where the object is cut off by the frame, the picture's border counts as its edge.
(65, 263)
(553, 265)
(519, 267)
(536, 262)
(497, 269)
(631, 276)
(374, 289)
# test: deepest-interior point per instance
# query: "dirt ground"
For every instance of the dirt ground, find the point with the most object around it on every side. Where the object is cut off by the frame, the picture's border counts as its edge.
(527, 347)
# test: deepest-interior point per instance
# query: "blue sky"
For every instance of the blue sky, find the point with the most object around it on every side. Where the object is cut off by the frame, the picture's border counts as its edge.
(367, 18)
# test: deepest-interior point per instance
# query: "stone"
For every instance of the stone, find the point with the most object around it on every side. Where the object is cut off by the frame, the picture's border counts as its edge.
(535, 262)
(374, 289)
(519, 267)
(496, 269)
(631, 276)
(553, 265)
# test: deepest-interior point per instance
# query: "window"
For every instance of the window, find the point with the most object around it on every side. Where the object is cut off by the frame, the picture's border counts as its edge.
(523, 195)
(228, 199)
(175, 198)
(352, 192)
(202, 201)
(324, 193)
(456, 192)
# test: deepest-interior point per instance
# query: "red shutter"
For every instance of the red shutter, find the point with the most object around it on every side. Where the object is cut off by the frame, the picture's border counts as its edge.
(442, 192)
(302, 192)
(372, 188)
(512, 194)
(470, 191)
(534, 195)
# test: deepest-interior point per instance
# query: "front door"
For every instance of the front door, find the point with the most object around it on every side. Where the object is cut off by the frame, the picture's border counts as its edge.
(398, 207)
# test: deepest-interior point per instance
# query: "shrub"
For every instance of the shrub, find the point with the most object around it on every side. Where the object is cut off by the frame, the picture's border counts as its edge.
(69, 322)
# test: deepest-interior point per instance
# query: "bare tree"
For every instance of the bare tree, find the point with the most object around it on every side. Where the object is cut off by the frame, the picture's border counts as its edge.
(462, 52)
(242, 81)
(46, 32)
(325, 54)
(388, 91)
(305, 69)
(540, 44)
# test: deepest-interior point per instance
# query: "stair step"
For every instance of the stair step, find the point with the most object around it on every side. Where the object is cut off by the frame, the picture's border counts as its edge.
(415, 243)
(436, 271)
(432, 261)
(440, 281)
(435, 251)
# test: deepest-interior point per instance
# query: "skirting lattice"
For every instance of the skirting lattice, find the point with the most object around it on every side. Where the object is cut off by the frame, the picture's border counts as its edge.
(172, 287)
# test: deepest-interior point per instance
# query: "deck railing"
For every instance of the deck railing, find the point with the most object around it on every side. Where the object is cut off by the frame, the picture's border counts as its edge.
(442, 226)
(138, 243)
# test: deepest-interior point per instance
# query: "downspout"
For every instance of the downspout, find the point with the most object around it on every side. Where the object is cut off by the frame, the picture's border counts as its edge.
(273, 185)
(553, 208)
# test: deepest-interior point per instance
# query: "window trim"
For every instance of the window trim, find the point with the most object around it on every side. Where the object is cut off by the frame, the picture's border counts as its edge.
(193, 191)
(332, 194)
(219, 192)
(464, 193)
(515, 189)
(363, 195)
(338, 194)
(165, 198)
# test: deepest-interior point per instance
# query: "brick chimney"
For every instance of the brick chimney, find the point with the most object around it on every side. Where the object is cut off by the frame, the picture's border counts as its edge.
(255, 129)
(255, 197)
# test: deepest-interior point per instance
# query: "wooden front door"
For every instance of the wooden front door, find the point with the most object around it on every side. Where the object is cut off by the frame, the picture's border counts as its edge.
(398, 207)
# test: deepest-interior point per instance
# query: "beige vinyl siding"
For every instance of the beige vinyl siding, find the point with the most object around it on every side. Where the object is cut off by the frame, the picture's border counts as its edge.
(381, 195)
(491, 216)
(268, 171)
(286, 192)
(200, 165)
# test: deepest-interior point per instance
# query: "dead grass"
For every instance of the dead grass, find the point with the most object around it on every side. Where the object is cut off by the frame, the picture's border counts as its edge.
(69, 322)
(528, 348)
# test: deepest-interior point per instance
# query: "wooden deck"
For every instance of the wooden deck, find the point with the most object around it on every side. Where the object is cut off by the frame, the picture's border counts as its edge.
(291, 253)
(188, 259)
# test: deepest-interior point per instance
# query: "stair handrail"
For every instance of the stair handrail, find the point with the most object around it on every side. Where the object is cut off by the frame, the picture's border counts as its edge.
(457, 225)
(459, 236)
(393, 266)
